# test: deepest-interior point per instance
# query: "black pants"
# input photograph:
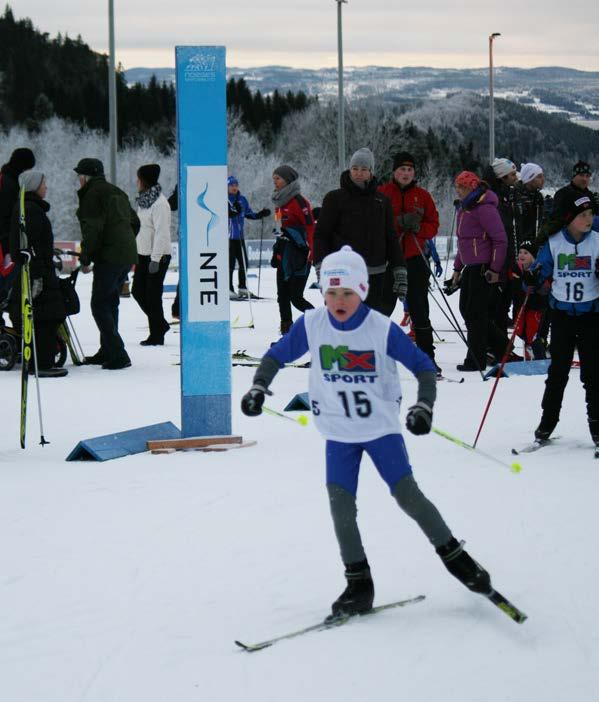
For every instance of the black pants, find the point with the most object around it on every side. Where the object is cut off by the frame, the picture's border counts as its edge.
(475, 298)
(378, 299)
(175, 307)
(106, 288)
(291, 292)
(237, 254)
(418, 277)
(45, 342)
(147, 292)
(569, 332)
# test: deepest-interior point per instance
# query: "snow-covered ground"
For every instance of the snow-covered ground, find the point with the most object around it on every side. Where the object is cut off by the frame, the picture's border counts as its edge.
(129, 580)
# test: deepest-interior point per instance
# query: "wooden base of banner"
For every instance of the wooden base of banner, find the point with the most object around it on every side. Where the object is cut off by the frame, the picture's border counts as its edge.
(199, 443)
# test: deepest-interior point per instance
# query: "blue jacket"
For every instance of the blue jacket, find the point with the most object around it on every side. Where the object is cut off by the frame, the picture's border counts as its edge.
(239, 211)
(544, 267)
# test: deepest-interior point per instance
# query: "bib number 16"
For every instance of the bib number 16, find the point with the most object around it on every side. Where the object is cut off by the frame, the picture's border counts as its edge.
(575, 291)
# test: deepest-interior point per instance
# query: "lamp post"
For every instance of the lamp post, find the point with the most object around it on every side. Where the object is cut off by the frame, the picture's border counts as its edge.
(341, 107)
(491, 101)
(112, 122)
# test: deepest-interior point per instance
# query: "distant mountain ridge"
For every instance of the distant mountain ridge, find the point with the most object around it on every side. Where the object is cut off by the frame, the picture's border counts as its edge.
(550, 88)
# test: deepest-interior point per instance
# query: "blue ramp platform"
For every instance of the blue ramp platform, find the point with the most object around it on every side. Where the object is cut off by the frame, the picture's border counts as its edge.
(300, 402)
(520, 368)
(124, 443)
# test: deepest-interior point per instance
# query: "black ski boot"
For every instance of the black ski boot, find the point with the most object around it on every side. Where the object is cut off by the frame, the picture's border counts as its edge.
(594, 429)
(546, 427)
(463, 567)
(358, 596)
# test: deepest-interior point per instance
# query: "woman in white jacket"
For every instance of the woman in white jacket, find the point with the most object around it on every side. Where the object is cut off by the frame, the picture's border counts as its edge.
(154, 251)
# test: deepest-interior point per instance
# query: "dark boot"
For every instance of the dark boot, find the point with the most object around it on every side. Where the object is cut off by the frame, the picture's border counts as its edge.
(358, 596)
(594, 429)
(97, 359)
(286, 326)
(546, 427)
(463, 567)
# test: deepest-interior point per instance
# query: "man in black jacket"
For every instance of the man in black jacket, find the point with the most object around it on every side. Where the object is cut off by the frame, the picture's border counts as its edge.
(358, 215)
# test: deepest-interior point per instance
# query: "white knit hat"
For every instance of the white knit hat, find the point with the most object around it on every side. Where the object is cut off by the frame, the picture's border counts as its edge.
(31, 180)
(529, 171)
(344, 269)
(503, 166)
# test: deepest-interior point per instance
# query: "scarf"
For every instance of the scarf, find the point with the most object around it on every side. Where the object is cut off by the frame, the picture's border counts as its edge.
(148, 197)
(281, 197)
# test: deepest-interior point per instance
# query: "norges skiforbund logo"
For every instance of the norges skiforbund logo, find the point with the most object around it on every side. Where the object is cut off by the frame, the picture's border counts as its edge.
(573, 266)
(353, 366)
(201, 67)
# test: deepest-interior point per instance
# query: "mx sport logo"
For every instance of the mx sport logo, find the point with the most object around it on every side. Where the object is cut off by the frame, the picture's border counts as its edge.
(347, 360)
(572, 262)
(201, 67)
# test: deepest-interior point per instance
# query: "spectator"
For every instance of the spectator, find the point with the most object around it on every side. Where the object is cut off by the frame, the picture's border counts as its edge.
(482, 246)
(529, 203)
(20, 160)
(292, 251)
(108, 229)
(239, 211)
(358, 215)
(46, 295)
(153, 251)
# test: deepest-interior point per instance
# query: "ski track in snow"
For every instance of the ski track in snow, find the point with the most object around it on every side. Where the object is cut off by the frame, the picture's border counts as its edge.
(129, 580)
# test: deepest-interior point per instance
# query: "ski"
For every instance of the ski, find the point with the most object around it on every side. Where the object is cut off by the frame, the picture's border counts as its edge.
(506, 607)
(535, 446)
(255, 360)
(328, 623)
(27, 322)
(450, 380)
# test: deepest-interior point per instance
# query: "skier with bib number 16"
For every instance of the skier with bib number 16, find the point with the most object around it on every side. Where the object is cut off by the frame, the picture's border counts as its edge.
(355, 393)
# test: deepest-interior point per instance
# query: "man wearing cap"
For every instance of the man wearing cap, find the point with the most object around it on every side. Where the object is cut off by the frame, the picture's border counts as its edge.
(20, 160)
(529, 204)
(416, 223)
(108, 229)
(358, 215)
(239, 211)
(577, 187)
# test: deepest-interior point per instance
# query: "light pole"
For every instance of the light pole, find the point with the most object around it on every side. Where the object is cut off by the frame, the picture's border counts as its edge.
(341, 108)
(112, 93)
(491, 102)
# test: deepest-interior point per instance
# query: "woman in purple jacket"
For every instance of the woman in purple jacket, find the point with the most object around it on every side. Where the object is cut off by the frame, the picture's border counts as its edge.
(482, 246)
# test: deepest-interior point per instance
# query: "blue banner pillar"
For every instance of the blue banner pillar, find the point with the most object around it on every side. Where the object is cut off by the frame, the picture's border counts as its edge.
(203, 241)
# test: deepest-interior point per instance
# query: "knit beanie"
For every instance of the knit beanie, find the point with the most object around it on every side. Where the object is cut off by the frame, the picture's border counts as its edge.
(149, 174)
(403, 158)
(344, 269)
(529, 171)
(502, 167)
(287, 173)
(468, 179)
(581, 168)
(30, 180)
(22, 159)
(363, 158)
(574, 205)
(232, 180)
(528, 246)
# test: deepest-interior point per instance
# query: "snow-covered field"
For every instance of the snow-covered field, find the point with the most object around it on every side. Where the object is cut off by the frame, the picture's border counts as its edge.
(129, 580)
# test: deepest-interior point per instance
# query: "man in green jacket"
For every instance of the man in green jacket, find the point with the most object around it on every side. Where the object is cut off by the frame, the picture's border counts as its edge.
(108, 229)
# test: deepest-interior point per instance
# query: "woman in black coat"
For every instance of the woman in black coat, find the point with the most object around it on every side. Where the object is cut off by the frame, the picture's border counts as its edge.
(48, 304)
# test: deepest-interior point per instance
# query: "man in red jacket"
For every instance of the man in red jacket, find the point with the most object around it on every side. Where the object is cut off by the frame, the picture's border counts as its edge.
(416, 222)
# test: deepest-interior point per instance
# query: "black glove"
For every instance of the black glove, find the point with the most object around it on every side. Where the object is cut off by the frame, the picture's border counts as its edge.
(264, 212)
(450, 286)
(529, 277)
(84, 259)
(419, 418)
(411, 220)
(252, 401)
(399, 220)
(491, 277)
(153, 267)
(400, 282)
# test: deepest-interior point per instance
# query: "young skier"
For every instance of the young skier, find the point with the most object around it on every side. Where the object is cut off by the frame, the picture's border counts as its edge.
(355, 394)
(570, 260)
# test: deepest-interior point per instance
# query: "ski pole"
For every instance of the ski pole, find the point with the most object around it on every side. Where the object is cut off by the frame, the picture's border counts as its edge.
(501, 365)
(245, 273)
(302, 419)
(450, 242)
(513, 467)
(260, 254)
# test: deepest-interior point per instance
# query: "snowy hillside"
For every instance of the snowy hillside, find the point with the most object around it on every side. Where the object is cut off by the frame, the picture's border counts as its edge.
(130, 580)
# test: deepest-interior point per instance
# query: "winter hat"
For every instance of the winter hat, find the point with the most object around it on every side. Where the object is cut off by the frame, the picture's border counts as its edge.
(287, 173)
(363, 158)
(403, 158)
(30, 180)
(528, 246)
(149, 174)
(468, 179)
(529, 171)
(89, 167)
(232, 180)
(22, 159)
(574, 205)
(581, 168)
(503, 166)
(344, 269)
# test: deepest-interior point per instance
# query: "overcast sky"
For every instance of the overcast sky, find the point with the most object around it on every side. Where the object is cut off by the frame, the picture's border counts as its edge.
(304, 32)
